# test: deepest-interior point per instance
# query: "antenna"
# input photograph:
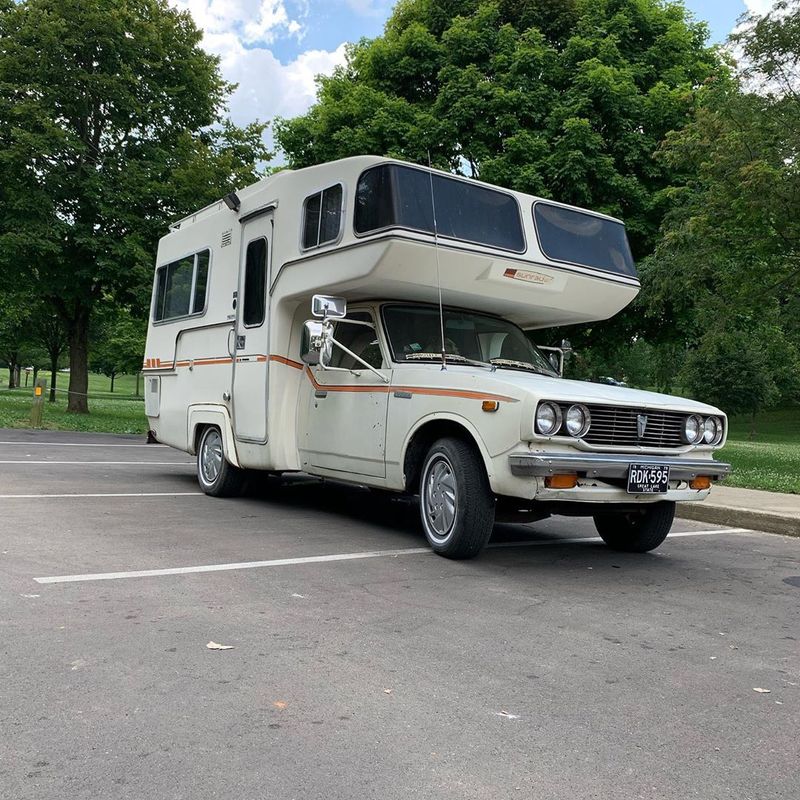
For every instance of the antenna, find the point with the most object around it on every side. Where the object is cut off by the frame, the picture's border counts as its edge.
(436, 249)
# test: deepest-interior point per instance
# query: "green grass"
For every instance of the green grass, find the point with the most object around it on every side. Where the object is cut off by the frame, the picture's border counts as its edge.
(768, 459)
(120, 412)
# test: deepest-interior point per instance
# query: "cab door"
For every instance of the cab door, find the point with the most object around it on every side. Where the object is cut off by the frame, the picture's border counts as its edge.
(347, 414)
(249, 392)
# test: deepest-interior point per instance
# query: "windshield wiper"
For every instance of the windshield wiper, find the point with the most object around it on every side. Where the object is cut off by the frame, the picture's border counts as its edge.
(458, 359)
(510, 363)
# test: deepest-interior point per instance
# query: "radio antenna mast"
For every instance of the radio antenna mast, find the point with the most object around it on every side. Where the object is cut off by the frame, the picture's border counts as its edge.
(436, 249)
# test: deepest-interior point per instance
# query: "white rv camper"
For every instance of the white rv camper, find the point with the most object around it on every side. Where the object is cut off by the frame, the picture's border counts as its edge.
(363, 320)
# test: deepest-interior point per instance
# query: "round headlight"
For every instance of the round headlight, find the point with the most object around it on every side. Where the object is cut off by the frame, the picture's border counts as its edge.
(548, 418)
(577, 420)
(710, 429)
(693, 429)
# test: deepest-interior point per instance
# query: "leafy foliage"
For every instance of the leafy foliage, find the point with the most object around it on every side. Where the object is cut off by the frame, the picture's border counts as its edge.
(111, 122)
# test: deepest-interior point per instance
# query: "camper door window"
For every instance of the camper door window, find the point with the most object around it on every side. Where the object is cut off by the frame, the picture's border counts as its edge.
(181, 287)
(394, 196)
(322, 215)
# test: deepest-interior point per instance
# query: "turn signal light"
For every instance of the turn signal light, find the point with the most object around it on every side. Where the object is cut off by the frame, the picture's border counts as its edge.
(561, 481)
(490, 405)
(700, 482)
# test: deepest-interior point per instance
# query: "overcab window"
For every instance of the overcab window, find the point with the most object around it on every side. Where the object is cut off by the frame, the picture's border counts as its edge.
(576, 237)
(322, 216)
(394, 196)
(181, 287)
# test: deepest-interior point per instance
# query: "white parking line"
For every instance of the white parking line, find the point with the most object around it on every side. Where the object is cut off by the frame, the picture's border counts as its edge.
(78, 444)
(104, 463)
(99, 494)
(285, 562)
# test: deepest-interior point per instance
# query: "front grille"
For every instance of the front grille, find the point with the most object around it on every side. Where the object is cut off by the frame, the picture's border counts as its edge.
(613, 426)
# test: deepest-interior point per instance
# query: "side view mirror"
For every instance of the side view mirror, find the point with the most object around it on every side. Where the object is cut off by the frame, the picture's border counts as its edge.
(316, 346)
(555, 355)
(324, 306)
(555, 361)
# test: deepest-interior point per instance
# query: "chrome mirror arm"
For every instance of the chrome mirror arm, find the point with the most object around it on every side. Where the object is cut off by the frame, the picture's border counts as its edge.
(357, 358)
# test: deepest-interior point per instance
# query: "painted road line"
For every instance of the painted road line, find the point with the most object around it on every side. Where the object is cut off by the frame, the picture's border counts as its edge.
(105, 463)
(285, 562)
(78, 444)
(100, 494)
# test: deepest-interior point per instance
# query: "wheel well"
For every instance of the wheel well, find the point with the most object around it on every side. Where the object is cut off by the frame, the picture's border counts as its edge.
(199, 430)
(421, 442)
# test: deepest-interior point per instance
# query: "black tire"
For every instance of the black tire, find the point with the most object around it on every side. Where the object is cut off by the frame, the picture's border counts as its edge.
(636, 531)
(215, 474)
(456, 502)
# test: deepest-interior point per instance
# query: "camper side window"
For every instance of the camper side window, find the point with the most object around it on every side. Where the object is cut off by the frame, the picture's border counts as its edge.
(181, 287)
(322, 215)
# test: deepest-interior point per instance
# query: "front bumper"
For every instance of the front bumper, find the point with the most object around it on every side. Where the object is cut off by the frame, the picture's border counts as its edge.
(603, 465)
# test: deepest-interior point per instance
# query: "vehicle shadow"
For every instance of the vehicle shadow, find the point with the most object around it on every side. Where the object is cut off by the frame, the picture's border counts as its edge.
(400, 514)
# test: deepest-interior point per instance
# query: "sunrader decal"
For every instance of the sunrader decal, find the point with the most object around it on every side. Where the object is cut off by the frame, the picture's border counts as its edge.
(527, 276)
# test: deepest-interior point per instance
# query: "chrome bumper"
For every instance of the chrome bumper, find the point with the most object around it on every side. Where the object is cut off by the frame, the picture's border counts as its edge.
(602, 465)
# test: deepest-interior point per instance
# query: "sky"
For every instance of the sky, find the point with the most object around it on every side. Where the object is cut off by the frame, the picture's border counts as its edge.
(273, 48)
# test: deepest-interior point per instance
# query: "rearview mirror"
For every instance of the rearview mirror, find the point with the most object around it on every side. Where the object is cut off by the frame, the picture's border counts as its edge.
(324, 306)
(316, 345)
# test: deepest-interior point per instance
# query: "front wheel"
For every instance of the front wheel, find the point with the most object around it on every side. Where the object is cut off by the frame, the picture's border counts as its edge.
(456, 502)
(217, 476)
(636, 531)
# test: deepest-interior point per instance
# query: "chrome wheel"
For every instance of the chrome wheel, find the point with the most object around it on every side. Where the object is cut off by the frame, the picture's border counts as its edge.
(211, 456)
(439, 497)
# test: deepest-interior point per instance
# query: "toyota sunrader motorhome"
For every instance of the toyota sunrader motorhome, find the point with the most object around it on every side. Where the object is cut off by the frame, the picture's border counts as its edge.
(363, 320)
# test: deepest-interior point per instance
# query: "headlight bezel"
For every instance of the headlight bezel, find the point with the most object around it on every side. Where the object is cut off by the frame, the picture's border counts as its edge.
(718, 431)
(558, 417)
(586, 424)
(700, 432)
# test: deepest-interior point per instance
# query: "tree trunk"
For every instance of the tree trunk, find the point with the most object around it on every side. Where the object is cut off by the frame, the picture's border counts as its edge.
(79, 362)
(112, 382)
(12, 373)
(35, 376)
(138, 375)
(53, 375)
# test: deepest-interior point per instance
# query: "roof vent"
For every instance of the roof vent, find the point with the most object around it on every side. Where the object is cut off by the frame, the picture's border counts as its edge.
(227, 237)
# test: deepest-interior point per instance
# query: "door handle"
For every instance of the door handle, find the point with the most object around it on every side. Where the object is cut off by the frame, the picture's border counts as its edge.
(320, 393)
(230, 349)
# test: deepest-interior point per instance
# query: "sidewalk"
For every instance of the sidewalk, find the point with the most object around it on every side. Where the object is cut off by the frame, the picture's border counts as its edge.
(747, 508)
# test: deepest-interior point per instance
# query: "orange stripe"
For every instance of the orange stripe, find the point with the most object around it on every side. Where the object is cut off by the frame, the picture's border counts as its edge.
(287, 361)
(380, 389)
(423, 390)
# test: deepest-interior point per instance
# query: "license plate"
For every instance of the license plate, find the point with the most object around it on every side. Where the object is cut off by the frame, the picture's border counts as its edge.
(648, 479)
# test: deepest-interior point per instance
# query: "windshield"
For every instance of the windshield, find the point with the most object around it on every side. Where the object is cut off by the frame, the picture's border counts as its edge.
(414, 335)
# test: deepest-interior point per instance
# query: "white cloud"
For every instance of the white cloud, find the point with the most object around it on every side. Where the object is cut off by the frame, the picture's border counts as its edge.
(240, 33)
(759, 6)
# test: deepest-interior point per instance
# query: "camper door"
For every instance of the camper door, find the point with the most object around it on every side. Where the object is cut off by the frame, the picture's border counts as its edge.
(251, 346)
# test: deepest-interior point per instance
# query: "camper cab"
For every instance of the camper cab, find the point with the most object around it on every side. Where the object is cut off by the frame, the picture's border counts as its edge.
(364, 320)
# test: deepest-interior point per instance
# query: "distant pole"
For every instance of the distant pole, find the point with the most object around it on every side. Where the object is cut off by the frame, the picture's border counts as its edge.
(39, 391)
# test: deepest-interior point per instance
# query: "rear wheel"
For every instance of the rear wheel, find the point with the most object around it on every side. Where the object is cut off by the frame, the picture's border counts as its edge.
(217, 476)
(456, 502)
(636, 531)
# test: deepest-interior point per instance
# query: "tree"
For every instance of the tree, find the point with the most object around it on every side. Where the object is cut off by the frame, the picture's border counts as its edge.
(104, 104)
(564, 99)
(119, 345)
(15, 315)
(727, 269)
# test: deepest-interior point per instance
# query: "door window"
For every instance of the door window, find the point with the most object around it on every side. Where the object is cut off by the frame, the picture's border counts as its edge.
(363, 341)
(255, 283)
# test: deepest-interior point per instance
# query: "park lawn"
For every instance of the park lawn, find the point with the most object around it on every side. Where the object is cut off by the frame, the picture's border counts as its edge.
(109, 414)
(770, 458)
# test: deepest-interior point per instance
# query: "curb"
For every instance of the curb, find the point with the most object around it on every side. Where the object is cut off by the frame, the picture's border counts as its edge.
(740, 518)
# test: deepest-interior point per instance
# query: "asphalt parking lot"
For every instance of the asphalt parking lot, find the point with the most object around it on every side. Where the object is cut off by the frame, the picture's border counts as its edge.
(362, 665)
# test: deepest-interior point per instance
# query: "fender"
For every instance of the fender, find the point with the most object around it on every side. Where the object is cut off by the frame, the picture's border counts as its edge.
(213, 414)
(438, 416)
